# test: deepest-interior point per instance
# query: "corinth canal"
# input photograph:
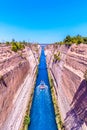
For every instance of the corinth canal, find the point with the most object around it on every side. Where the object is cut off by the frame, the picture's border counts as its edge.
(42, 111)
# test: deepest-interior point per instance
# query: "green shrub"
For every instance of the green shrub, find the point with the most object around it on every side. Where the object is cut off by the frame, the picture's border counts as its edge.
(57, 57)
(55, 103)
(68, 44)
(20, 46)
(17, 46)
(61, 43)
(69, 40)
(26, 120)
(14, 48)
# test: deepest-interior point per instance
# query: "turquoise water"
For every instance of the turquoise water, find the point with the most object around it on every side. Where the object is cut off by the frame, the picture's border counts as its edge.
(42, 111)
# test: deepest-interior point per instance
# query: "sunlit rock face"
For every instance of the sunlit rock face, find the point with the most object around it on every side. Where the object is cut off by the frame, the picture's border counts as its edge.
(14, 67)
(71, 87)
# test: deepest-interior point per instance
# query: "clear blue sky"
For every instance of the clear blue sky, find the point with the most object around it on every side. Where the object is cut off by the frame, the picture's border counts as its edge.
(43, 21)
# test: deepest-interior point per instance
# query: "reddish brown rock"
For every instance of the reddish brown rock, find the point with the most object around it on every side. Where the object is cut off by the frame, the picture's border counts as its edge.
(14, 67)
(71, 88)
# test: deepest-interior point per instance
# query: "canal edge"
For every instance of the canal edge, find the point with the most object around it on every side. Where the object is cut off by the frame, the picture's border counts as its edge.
(58, 117)
(26, 118)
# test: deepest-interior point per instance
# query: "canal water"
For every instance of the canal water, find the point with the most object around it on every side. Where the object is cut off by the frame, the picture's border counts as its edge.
(42, 112)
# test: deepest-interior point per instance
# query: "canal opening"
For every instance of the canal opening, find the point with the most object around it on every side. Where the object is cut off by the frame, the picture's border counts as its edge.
(42, 114)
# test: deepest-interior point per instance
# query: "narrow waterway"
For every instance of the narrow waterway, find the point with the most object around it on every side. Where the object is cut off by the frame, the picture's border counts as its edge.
(42, 111)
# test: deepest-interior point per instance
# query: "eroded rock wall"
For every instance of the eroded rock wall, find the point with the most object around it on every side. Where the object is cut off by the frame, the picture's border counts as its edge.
(71, 88)
(14, 69)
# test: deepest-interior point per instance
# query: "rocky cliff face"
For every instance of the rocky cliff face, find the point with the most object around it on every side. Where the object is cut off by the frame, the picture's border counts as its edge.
(70, 85)
(14, 67)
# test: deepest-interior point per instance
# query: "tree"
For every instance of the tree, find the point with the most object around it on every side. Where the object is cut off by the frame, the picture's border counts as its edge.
(13, 40)
(67, 39)
(79, 39)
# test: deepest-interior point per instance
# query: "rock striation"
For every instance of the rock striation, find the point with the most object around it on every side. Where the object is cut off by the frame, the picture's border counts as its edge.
(70, 85)
(16, 70)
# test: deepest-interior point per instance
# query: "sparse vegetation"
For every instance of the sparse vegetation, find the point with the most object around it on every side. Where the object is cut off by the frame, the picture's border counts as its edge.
(55, 103)
(15, 46)
(37, 72)
(27, 120)
(69, 40)
(39, 60)
(85, 75)
(57, 57)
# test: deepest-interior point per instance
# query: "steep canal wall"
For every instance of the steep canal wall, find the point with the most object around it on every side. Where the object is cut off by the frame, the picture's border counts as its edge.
(67, 66)
(17, 77)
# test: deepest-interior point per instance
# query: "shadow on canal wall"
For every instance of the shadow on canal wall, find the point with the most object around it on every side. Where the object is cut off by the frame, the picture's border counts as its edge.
(69, 74)
(77, 116)
(17, 72)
